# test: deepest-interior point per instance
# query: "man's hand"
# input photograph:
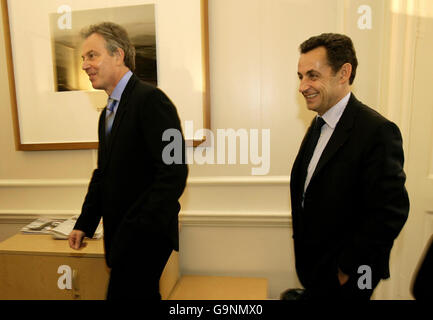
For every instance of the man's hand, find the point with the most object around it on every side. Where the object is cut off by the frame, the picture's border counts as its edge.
(76, 239)
(342, 277)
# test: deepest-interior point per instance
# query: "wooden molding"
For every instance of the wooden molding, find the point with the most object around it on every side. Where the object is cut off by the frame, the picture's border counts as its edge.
(272, 219)
(186, 218)
(192, 181)
(205, 61)
(11, 76)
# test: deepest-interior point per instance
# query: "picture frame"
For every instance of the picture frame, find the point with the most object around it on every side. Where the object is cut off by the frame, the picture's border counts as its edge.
(46, 119)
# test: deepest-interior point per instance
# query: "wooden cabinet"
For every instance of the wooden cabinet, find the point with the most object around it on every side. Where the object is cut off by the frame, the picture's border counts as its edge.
(39, 267)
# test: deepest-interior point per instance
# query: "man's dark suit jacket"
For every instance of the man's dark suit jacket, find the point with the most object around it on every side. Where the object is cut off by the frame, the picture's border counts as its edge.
(423, 278)
(356, 202)
(134, 191)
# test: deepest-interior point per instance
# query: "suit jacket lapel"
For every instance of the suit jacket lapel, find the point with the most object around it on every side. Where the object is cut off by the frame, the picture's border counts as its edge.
(102, 138)
(340, 135)
(297, 165)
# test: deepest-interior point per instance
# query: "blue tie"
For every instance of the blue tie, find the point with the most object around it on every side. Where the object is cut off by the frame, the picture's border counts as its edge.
(109, 115)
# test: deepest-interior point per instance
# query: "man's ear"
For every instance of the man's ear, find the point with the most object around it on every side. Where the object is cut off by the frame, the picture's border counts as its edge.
(120, 54)
(345, 72)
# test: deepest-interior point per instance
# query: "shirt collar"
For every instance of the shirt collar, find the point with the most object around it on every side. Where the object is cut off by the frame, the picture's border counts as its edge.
(120, 87)
(333, 115)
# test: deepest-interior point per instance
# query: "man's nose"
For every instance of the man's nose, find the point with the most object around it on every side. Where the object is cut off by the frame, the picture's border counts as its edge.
(85, 65)
(303, 86)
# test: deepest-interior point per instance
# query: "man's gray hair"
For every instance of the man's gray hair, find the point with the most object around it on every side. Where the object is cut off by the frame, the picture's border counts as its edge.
(115, 37)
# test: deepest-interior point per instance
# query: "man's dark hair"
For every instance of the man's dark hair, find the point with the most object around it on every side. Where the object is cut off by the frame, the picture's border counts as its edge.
(115, 37)
(339, 50)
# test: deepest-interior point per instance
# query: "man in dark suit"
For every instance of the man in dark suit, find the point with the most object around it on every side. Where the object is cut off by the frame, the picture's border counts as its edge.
(133, 188)
(348, 197)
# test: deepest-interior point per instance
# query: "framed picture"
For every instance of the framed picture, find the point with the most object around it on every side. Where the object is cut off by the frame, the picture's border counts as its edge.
(54, 105)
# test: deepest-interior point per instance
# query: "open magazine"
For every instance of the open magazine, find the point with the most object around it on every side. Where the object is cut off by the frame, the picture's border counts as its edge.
(58, 228)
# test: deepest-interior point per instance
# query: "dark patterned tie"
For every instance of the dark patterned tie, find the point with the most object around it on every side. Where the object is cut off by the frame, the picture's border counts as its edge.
(309, 148)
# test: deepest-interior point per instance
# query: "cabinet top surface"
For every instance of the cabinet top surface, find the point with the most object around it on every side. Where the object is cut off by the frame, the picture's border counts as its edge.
(46, 245)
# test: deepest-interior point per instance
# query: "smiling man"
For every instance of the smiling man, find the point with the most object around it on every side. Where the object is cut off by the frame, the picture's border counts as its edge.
(347, 189)
(132, 189)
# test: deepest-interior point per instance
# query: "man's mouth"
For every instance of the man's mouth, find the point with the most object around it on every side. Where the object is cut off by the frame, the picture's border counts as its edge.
(311, 96)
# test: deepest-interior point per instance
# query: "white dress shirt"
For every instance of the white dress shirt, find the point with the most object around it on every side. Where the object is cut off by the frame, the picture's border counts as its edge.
(331, 117)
